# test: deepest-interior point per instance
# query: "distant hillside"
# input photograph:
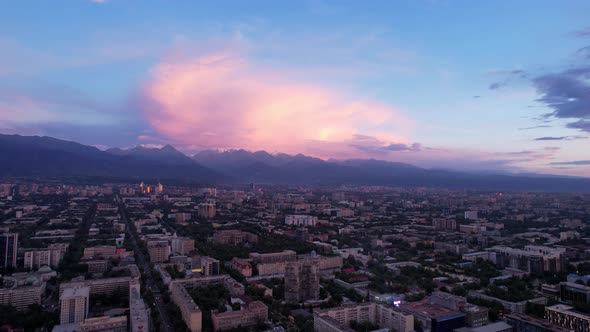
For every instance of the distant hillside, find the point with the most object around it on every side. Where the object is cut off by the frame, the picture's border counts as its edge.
(166, 154)
(50, 157)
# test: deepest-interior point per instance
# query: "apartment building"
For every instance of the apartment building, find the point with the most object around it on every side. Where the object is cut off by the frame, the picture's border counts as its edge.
(234, 237)
(243, 266)
(565, 316)
(182, 245)
(190, 311)
(301, 220)
(532, 259)
(21, 294)
(103, 286)
(74, 303)
(274, 257)
(250, 314)
(338, 319)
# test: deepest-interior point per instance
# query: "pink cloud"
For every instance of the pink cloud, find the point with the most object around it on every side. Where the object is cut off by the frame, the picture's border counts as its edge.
(223, 101)
(23, 109)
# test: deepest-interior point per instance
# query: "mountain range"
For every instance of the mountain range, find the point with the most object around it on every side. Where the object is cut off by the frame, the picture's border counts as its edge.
(34, 156)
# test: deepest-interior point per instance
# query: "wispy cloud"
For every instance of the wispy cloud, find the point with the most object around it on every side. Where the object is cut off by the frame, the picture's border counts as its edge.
(559, 138)
(535, 127)
(582, 33)
(572, 163)
(507, 77)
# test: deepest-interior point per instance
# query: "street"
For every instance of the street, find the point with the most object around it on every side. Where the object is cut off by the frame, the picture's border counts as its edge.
(150, 284)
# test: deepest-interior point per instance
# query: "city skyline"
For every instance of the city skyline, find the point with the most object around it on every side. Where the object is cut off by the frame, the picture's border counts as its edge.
(438, 84)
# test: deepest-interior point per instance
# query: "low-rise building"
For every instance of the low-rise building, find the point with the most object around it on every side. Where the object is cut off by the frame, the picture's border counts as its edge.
(565, 316)
(250, 314)
(234, 237)
(338, 319)
(242, 266)
(104, 324)
(95, 252)
(301, 220)
(526, 323)
(434, 317)
(21, 293)
(103, 286)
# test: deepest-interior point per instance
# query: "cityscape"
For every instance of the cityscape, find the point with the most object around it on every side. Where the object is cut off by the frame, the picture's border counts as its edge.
(155, 257)
(295, 166)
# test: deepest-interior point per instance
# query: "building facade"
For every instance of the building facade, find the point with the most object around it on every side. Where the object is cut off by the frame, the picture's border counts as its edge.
(73, 303)
(302, 279)
(8, 250)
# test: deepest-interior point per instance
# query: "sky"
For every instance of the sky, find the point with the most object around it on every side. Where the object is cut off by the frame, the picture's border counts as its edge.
(466, 85)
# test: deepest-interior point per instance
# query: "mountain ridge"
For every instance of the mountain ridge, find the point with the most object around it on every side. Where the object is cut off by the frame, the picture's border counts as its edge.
(48, 156)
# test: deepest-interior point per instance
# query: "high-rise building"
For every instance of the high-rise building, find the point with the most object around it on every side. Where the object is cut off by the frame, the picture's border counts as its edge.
(444, 224)
(159, 188)
(8, 250)
(34, 259)
(159, 251)
(207, 210)
(73, 304)
(302, 280)
(182, 245)
(209, 266)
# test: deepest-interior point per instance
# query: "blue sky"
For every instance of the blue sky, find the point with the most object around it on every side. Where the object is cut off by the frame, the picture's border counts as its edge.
(455, 84)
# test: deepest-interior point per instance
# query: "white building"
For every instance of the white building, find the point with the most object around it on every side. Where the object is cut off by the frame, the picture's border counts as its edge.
(301, 220)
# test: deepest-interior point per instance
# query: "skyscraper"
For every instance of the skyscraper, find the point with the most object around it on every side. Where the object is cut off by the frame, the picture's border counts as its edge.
(8, 250)
(302, 279)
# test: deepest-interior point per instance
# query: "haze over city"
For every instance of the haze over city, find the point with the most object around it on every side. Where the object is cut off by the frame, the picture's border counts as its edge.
(470, 86)
(295, 166)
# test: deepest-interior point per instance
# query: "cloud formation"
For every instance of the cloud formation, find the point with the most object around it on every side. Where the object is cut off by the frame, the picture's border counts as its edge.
(583, 125)
(559, 138)
(573, 163)
(582, 33)
(567, 92)
(535, 127)
(223, 101)
(509, 75)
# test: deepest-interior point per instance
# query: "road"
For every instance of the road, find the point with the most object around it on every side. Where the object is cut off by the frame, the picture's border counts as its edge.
(150, 284)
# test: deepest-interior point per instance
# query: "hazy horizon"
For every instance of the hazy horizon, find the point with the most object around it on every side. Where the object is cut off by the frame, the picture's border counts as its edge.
(437, 84)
